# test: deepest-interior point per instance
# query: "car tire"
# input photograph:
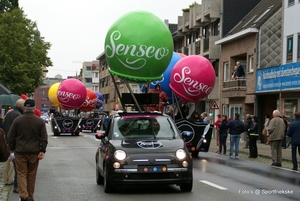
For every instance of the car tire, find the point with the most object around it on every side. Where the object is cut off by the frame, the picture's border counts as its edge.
(187, 187)
(77, 133)
(56, 133)
(195, 154)
(108, 188)
(99, 178)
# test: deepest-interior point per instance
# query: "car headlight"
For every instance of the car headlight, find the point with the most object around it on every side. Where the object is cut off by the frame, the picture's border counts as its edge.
(180, 154)
(120, 155)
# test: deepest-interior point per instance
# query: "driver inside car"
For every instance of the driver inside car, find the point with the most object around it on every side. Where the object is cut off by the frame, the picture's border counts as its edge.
(154, 127)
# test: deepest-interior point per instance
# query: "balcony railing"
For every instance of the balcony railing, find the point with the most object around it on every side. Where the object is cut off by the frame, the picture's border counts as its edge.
(239, 83)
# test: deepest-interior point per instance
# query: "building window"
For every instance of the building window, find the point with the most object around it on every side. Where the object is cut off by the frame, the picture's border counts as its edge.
(263, 14)
(291, 2)
(96, 88)
(106, 98)
(102, 81)
(96, 75)
(88, 80)
(298, 51)
(216, 28)
(237, 108)
(251, 67)
(89, 68)
(226, 110)
(41, 93)
(226, 71)
(289, 49)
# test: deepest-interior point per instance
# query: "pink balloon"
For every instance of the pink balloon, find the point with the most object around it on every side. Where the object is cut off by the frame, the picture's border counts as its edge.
(192, 78)
(90, 101)
(71, 93)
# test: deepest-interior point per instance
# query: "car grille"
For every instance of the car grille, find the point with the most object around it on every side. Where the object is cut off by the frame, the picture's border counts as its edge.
(152, 176)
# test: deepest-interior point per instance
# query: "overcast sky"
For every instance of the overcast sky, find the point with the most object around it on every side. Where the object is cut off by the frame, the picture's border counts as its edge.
(77, 29)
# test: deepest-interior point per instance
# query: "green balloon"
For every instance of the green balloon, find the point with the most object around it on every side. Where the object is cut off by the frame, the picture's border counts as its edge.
(138, 47)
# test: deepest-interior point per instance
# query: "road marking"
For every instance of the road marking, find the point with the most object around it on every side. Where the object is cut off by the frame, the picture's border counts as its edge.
(213, 185)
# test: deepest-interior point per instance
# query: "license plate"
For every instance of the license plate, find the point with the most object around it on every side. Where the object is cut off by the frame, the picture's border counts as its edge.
(152, 169)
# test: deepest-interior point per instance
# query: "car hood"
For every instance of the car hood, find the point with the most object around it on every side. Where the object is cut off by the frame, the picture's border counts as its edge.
(140, 146)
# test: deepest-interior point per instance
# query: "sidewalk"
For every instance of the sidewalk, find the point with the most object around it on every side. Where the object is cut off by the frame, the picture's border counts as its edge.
(263, 149)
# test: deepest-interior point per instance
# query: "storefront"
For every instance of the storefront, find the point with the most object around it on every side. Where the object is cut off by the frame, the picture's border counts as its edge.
(278, 88)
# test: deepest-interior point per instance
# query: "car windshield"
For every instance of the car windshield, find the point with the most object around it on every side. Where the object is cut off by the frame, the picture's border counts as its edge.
(144, 127)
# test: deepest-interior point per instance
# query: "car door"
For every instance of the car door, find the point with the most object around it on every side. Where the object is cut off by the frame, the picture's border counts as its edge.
(103, 147)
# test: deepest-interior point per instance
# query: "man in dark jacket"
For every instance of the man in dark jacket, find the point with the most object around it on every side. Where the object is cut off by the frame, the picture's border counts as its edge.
(236, 127)
(8, 120)
(294, 132)
(28, 139)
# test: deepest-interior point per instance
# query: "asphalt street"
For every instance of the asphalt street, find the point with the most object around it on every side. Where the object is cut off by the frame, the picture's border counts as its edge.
(68, 173)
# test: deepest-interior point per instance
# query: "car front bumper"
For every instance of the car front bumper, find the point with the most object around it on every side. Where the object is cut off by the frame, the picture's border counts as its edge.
(132, 176)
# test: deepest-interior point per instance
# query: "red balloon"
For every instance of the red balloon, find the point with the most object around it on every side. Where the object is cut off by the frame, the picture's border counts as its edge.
(24, 97)
(90, 101)
(192, 78)
(71, 93)
(37, 112)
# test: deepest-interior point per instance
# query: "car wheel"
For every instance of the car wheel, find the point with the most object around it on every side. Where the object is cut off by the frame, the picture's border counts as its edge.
(77, 133)
(195, 154)
(187, 187)
(108, 188)
(99, 178)
(56, 133)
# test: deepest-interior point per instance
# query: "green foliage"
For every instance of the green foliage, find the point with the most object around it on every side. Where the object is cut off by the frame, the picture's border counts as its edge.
(186, 9)
(193, 4)
(8, 5)
(23, 53)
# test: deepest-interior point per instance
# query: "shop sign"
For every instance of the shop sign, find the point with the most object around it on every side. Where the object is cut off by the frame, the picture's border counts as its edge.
(284, 77)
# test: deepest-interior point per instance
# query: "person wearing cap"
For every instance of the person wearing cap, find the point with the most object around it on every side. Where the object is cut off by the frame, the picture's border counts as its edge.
(28, 139)
(10, 116)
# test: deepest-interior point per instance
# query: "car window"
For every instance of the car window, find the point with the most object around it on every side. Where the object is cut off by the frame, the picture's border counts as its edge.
(140, 127)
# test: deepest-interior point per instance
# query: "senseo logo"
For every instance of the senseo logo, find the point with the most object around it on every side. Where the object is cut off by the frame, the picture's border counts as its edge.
(91, 103)
(149, 144)
(89, 122)
(192, 78)
(191, 86)
(67, 123)
(143, 52)
(65, 96)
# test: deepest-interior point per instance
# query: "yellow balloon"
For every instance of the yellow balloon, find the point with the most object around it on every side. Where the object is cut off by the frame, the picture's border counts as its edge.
(52, 94)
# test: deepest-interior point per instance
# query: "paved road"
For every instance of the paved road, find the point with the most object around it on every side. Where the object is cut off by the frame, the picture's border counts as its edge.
(68, 173)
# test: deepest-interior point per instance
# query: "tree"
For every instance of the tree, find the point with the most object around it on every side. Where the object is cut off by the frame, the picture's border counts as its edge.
(7, 5)
(23, 53)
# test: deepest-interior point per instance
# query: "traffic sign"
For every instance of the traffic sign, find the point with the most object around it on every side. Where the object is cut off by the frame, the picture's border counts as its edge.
(214, 106)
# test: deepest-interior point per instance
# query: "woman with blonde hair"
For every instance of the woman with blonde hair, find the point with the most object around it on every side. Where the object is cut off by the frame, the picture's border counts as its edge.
(205, 118)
